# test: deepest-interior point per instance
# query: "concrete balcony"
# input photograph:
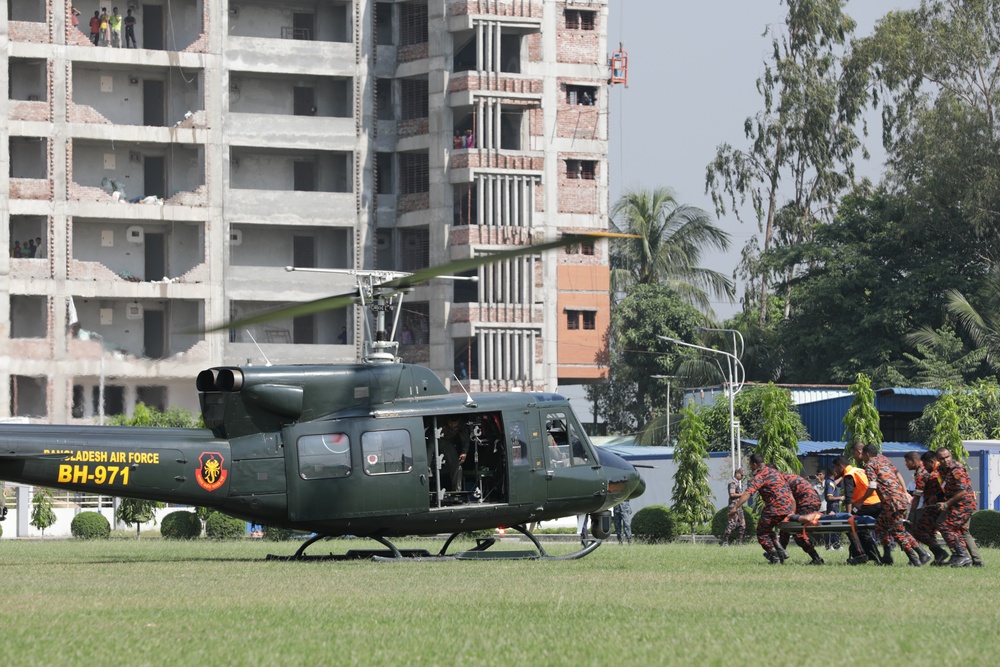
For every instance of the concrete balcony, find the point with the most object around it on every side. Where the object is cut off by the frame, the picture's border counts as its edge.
(466, 162)
(496, 313)
(244, 283)
(291, 207)
(462, 12)
(239, 353)
(465, 87)
(289, 56)
(285, 131)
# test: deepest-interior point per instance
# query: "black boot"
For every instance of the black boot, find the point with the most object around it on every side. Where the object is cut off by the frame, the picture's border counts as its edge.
(782, 554)
(816, 560)
(857, 560)
(940, 556)
(772, 557)
(887, 555)
(960, 557)
(917, 557)
(923, 556)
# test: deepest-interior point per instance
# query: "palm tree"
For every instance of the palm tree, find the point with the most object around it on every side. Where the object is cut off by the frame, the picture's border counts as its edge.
(982, 324)
(671, 238)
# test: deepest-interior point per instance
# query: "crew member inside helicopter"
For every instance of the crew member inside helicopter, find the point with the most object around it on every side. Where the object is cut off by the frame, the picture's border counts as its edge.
(454, 446)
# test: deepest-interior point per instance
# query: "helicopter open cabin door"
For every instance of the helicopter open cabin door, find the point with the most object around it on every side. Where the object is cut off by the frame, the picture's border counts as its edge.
(571, 465)
(352, 468)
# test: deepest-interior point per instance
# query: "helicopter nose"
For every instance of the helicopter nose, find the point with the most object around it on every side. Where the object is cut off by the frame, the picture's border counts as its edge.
(640, 487)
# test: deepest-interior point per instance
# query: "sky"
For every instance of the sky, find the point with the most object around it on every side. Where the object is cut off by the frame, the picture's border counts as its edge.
(693, 67)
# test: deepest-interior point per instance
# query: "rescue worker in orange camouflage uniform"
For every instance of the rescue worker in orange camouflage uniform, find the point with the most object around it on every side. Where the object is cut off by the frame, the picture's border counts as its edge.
(957, 509)
(883, 479)
(927, 485)
(778, 504)
(807, 501)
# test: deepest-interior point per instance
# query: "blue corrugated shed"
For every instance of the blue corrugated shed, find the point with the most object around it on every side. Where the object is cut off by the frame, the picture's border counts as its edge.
(905, 399)
(807, 447)
(824, 419)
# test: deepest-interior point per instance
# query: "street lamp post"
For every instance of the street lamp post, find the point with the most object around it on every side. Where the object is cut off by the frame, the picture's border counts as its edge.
(734, 366)
(668, 378)
(733, 362)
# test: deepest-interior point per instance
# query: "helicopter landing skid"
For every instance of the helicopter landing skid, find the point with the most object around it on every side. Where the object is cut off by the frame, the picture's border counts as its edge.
(391, 553)
(479, 552)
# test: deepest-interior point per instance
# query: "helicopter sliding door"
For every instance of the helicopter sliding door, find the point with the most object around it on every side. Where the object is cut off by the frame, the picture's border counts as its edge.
(351, 468)
(571, 465)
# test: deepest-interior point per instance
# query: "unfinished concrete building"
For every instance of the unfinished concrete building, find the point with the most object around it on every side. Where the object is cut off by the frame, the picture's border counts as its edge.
(157, 190)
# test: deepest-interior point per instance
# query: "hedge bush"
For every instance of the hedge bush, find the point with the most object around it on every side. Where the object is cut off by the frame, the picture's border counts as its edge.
(721, 520)
(221, 526)
(275, 534)
(90, 526)
(1, 531)
(985, 527)
(180, 525)
(654, 524)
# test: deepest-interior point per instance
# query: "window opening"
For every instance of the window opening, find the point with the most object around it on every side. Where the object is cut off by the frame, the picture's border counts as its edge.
(415, 100)
(387, 452)
(324, 456)
(414, 173)
(412, 23)
(580, 19)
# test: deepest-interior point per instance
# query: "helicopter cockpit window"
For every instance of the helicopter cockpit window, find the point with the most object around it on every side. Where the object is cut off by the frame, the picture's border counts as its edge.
(324, 456)
(518, 443)
(566, 442)
(387, 452)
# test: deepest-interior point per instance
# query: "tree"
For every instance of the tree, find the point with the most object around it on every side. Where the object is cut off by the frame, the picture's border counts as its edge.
(802, 142)
(778, 443)
(937, 74)
(668, 251)
(692, 499)
(632, 397)
(136, 510)
(42, 515)
(748, 408)
(872, 277)
(943, 414)
(861, 421)
(977, 407)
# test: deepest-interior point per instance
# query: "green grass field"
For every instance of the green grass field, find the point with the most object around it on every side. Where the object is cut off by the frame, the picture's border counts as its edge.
(153, 602)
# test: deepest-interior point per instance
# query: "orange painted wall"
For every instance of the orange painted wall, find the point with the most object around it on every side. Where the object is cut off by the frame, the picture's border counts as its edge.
(582, 352)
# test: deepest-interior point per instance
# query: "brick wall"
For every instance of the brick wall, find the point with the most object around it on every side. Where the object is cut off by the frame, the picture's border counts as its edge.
(199, 45)
(413, 127)
(520, 8)
(29, 31)
(578, 195)
(489, 160)
(196, 197)
(533, 47)
(30, 188)
(83, 113)
(419, 201)
(577, 121)
(575, 45)
(33, 111)
(483, 81)
(492, 235)
(410, 52)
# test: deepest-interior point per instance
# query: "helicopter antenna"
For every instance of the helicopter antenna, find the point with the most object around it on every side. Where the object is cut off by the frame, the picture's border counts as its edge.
(267, 362)
(469, 402)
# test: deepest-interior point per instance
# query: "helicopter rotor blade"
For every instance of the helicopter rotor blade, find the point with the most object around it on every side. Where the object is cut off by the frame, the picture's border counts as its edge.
(409, 281)
(294, 310)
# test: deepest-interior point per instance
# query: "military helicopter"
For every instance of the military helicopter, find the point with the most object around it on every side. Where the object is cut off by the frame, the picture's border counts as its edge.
(350, 449)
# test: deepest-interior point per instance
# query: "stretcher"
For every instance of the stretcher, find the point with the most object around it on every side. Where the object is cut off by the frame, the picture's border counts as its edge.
(818, 524)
